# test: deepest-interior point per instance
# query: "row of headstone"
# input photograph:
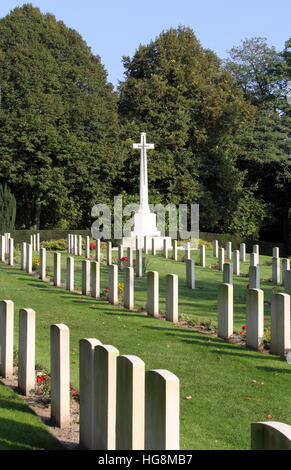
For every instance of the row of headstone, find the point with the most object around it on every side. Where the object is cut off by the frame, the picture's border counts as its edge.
(7, 248)
(172, 312)
(5, 244)
(139, 253)
(91, 282)
(125, 401)
(122, 406)
(75, 246)
(276, 269)
(35, 241)
(240, 255)
(91, 286)
(280, 318)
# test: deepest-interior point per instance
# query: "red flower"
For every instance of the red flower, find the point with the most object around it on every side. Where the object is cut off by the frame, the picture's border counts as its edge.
(244, 327)
(92, 246)
(242, 332)
(39, 380)
(102, 287)
(107, 288)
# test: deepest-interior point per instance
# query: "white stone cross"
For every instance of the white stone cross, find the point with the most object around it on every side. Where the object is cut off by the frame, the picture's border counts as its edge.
(143, 185)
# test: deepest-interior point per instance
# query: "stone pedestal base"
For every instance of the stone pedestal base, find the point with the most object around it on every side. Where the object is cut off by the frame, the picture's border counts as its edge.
(130, 242)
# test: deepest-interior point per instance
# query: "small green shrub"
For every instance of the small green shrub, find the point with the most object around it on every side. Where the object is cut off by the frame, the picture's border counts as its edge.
(55, 245)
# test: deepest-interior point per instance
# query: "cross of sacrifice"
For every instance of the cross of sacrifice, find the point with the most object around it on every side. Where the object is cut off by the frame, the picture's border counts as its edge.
(143, 185)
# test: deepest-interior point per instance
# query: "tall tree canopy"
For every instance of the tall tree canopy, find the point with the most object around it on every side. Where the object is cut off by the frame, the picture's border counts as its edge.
(265, 143)
(58, 121)
(191, 108)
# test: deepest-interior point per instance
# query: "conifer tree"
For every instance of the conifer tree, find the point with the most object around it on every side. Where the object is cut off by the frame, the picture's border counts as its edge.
(7, 210)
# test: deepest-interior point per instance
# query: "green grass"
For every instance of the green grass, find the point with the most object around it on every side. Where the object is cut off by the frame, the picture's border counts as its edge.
(20, 427)
(200, 304)
(219, 376)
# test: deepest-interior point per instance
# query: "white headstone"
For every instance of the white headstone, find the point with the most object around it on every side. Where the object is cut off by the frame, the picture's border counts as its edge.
(113, 284)
(98, 250)
(87, 393)
(130, 403)
(162, 410)
(60, 375)
(42, 263)
(280, 324)
(26, 351)
(175, 250)
(202, 256)
(221, 259)
(228, 250)
(255, 318)
(172, 310)
(153, 293)
(104, 421)
(70, 273)
(11, 252)
(139, 268)
(225, 310)
(57, 269)
(276, 274)
(95, 279)
(236, 263)
(215, 248)
(128, 288)
(86, 282)
(254, 277)
(285, 267)
(190, 274)
(270, 436)
(29, 258)
(109, 253)
(242, 249)
(6, 337)
(3, 245)
(80, 251)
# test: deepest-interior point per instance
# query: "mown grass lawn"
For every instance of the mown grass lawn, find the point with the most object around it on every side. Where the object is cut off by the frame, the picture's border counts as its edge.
(20, 427)
(229, 386)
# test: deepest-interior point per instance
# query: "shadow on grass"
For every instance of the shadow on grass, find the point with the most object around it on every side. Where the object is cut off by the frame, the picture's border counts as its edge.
(15, 435)
(273, 369)
(196, 337)
(18, 435)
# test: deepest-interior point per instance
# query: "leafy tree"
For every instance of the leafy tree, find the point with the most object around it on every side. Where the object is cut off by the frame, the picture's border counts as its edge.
(58, 121)
(254, 65)
(265, 142)
(191, 108)
(7, 210)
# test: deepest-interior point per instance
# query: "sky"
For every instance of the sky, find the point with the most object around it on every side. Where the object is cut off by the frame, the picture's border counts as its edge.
(115, 28)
